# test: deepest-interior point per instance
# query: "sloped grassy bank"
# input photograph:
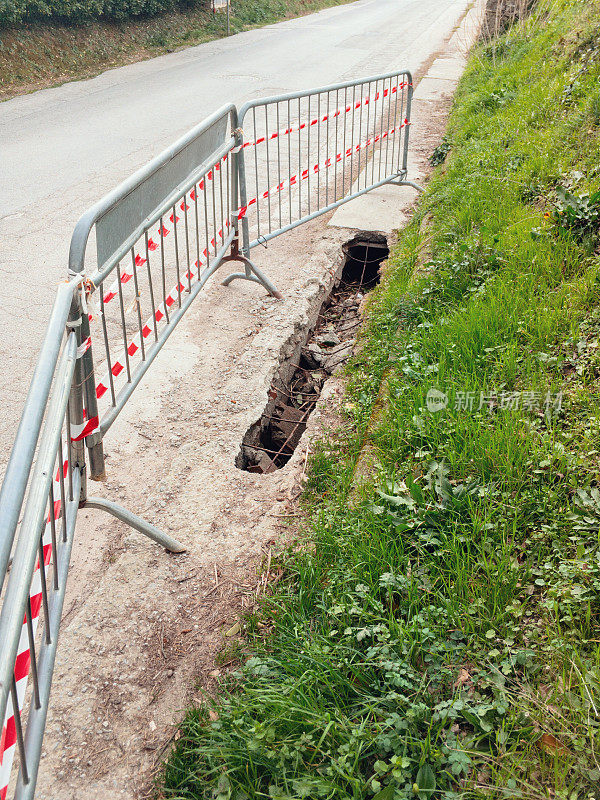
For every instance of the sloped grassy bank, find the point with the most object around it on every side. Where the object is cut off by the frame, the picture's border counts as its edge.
(438, 634)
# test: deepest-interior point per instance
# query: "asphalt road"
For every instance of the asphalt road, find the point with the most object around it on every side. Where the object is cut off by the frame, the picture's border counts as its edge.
(61, 149)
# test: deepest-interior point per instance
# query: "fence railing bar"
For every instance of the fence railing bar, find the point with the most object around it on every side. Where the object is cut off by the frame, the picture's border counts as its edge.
(214, 219)
(279, 160)
(42, 568)
(68, 427)
(289, 148)
(150, 286)
(197, 230)
(136, 287)
(388, 126)
(63, 494)
(344, 139)
(52, 515)
(32, 654)
(393, 166)
(299, 184)
(21, 456)
(162, 272)
(177, 268)
(231, 167)
(222, 165)
(309, 159)
(360, 133)
(375, 150)
(187, 236)
(111, 383)
(36, 719)
(409, 94)
(352, 136)
(19, 727)
(17, 589)
(124, 327)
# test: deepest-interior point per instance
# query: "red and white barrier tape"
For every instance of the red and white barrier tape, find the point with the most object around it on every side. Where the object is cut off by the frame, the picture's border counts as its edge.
(325, 165)
(120, 363)
(317, 120)
(8, 739)
(162, 231)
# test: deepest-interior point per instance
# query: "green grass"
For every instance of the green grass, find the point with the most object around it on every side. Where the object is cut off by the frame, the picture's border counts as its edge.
(437, 634)
(38, 55)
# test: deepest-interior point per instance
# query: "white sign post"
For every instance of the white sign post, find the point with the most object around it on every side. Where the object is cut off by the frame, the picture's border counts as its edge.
(219, 5)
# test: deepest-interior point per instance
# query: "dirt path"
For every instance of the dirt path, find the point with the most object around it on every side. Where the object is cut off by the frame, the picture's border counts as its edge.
(142, 627)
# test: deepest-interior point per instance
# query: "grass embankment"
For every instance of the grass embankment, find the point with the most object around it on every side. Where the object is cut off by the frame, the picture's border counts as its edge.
(38, 55)
(438, 634)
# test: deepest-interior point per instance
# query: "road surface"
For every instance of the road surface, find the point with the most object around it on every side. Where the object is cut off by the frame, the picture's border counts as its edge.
(61, 149)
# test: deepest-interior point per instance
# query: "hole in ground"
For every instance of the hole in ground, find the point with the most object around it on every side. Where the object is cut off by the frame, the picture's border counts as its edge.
(270, 443)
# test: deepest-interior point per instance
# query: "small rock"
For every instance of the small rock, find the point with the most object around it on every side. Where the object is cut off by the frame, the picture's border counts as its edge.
(338, 356)
(328, 339)
(315, 351)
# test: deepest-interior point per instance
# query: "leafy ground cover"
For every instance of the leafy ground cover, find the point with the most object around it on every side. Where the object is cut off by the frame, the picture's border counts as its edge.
(40, 54)
(437, 632)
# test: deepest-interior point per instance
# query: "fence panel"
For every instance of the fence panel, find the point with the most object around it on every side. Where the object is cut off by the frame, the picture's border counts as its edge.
(305, 153)
(159, 237)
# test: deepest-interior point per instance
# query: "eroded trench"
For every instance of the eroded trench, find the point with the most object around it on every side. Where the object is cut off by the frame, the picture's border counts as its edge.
(270, 442)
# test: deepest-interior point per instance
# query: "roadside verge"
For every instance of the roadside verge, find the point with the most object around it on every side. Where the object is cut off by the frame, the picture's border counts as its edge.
(434, 633)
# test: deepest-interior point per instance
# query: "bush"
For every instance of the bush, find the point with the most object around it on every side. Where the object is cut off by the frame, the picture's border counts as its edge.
(13, 12)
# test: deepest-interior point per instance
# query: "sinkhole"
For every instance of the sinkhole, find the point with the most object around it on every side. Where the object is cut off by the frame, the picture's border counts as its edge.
(270, 442)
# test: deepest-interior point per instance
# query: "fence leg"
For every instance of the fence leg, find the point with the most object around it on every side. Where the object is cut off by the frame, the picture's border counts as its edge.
(409, 183)
(76, 448)
(93, 442)
(136, 522)
(251, 273)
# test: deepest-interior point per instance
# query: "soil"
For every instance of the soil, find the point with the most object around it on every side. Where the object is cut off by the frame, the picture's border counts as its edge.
(501, 14)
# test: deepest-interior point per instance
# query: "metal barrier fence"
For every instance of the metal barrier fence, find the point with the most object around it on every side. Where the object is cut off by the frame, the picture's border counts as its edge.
(159, 237)
(318, 149)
